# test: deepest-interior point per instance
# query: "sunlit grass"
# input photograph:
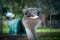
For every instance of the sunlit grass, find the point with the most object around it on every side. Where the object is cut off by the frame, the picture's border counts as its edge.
(5, 28)
(47, 30)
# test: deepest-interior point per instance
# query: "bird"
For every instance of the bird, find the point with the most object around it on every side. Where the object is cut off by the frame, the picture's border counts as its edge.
(30, 21)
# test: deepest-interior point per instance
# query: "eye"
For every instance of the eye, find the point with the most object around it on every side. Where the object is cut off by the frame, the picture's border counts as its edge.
(26, 13)
(38, 13)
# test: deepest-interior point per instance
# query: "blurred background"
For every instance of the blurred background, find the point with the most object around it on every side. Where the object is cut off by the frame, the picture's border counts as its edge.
(49, 29)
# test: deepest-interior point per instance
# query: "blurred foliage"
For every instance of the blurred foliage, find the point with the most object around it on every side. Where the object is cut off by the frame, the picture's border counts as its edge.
(47, 6)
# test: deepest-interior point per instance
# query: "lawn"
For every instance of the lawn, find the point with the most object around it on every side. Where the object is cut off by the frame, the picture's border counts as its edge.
(43, 33)
(47, 30)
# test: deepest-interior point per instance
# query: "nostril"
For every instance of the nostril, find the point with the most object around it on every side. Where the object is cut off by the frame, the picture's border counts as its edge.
(28, 16)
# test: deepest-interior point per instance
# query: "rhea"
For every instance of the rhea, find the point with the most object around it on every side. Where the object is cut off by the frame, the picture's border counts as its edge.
(30, 22)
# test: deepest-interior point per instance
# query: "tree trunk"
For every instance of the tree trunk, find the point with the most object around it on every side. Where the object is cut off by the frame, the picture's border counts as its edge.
(50, 23)
(1, 11)
(43, 20)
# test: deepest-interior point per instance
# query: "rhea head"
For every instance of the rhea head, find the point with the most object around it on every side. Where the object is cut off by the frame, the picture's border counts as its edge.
(31, 15)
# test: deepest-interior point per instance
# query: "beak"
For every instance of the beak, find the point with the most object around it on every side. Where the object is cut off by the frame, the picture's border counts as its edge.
(34, 17)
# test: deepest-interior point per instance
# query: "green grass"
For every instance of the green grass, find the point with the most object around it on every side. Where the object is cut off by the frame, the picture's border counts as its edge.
(43, 33)
(5, 30)
(47, 30)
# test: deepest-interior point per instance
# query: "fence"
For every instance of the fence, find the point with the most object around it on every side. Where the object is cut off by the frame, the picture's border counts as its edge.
(53, 24)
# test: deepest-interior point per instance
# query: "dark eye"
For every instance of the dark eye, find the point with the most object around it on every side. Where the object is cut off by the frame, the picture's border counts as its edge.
(26, 13)
(38, 13)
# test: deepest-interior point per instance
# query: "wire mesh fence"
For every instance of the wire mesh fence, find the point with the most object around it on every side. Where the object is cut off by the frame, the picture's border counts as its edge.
(54, 23)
